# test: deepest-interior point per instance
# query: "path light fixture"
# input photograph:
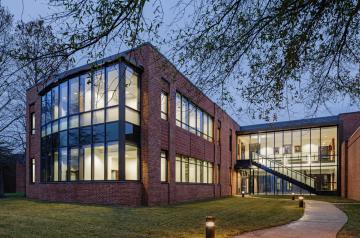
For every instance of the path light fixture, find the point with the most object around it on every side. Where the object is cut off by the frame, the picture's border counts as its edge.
(301, 201)
(293, 196)
(242, 193)
(210, 227)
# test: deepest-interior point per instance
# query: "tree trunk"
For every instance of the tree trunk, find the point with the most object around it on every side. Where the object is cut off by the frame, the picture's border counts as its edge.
(1, 183)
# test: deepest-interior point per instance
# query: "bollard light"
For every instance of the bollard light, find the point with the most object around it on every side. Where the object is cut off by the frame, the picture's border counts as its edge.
(242, 193)
(210, 227)
(293, 196)
(301, 201)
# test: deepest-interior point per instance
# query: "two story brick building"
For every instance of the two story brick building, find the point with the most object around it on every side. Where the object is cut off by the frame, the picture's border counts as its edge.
(132, 130)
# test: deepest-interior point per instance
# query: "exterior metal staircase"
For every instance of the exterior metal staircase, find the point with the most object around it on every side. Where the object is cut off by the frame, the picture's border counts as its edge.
(278, 169)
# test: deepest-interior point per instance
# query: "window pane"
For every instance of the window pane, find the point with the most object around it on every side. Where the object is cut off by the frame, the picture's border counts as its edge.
(205, 126)
(205, 168)
(198, 171)
(63, 124)
(48, 107)
(112, 86)
(55, 103)
(278, 150)
(132, 133)
(192, 171)
(163, 176)
(132, 116)
(178, 109)
(85, 93)
(55, 126)
(99, 89)
(132, 98)
(113, 161)
(210, 179)
(98, 117)
(85, 163)
(112, 131)
(112, 114)
(74, 164)
(164, 105)
(131, 162)
(328, 148)
(63, 161)
(305, 136)
(98, 133)
(185, 170)
(56, 166)
(315, 144)
(270, 140)
(85, 135)
(73, 137)
(74, 95)
(63, 139)
(199, 121)
(192, 117)
(178, 169)
(63, 99)
(74, 121)
(211, 128)
(85, 119)
(99, 162)
(244, 147)
(185, 113)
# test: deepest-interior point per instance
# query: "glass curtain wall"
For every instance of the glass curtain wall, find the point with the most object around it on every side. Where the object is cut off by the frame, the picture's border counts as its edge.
(311, 151)
(81, 137)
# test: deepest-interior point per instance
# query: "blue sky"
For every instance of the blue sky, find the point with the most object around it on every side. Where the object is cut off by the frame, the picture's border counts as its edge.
(32, 9)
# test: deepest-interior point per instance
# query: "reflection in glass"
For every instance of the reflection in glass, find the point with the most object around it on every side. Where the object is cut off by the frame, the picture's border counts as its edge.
(85, 93)
(74, 95)
(63, 99)
(112, 86)
(99, 89)
(132, 98)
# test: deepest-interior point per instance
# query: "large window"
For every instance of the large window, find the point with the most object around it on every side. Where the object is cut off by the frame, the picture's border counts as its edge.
(190, 170)
(310, 151)
(192, 118)
(80, 128)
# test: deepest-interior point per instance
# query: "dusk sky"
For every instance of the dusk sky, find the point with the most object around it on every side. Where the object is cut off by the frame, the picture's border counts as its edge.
(32, 9)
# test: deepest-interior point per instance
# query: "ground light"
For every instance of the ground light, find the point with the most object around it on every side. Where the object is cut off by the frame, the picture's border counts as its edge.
(210, 227)
(293, 196)
(242, 193)
(301, 201)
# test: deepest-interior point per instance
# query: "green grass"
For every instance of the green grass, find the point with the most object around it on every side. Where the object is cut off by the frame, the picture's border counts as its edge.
(352, 227)
(25, 218)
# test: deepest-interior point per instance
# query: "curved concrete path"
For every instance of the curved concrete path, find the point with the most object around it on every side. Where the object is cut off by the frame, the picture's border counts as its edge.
(320, 219)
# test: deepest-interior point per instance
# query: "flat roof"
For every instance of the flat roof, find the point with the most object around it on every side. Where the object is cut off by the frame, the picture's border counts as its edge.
(286, 125)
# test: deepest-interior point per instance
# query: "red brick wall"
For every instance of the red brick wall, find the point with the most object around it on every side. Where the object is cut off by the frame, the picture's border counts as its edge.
(353, 181)
(349, 123)
(157, 134)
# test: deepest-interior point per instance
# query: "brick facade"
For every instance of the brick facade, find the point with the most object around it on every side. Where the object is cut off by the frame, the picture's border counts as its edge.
(156, 135)
(350, 122)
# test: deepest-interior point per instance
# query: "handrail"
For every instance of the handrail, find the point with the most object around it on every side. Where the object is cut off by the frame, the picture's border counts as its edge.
(279, 166)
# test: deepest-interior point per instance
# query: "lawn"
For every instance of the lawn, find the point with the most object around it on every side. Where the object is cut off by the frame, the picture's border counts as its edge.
(25, 218)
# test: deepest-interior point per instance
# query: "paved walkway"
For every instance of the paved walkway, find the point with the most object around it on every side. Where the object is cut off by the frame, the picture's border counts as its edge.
(320, 219)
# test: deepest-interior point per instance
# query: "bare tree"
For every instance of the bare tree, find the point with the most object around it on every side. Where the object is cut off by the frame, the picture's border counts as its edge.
(269, 53)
